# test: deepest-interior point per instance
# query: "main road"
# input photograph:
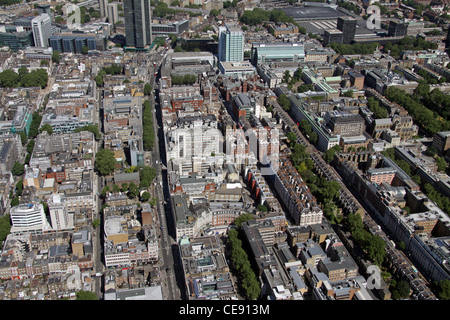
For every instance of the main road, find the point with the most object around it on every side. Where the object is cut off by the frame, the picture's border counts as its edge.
(172, 279)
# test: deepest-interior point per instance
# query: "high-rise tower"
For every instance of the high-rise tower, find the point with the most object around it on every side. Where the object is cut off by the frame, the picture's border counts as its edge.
(42, 30)
(138, 29)
(231, 43)
(103, 7)
(348, 27)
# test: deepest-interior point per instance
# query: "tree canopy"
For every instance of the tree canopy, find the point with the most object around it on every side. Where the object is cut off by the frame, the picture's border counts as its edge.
(91, 128)
(146, 176)
(372, 245)
(105, 162)
(284, 102)
(36, 78)
(18, 169)
(148, 136)
(5, 227)
(46, 127)
(86, 295)
(444, 290)
(246, 276)
(428, 119)
(257, 16)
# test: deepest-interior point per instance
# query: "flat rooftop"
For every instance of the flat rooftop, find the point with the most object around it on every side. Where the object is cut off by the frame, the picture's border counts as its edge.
(312, 13)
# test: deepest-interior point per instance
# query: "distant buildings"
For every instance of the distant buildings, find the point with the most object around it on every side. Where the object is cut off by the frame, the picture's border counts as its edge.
(387, 196)
(75, 42)
(277, 52)
(165, 29)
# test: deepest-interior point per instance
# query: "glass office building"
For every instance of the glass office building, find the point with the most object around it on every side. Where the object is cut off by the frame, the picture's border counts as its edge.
(231, 43)
(138, 31)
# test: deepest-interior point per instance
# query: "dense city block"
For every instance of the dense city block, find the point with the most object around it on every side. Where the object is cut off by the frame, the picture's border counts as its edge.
(224, 150)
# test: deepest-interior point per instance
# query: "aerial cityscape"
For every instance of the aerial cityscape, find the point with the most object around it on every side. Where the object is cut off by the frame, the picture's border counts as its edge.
(245, 150)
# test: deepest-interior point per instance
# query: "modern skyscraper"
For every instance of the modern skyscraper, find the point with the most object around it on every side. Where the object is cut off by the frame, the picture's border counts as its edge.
(138, 31)
(103, 4)
(348, 27)
(112, 13)
(231, 42)
(42, 30)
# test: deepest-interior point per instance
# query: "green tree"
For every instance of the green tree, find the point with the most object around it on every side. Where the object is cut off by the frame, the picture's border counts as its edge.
(9, 79)
(261, 207)
(95, 223)
(145, 196)
(23, 70)
(86, 295)
(328, 155)
(246, 276)
(23, 137)
(292, 137)
(284, 102)
(56, 56)
(105, 162)
(99, 80)
(444, 290)
(148, 89)
(115, 188)
(15, 201)
(401, 290)
(5, 227)
(133, 190)
(153, 202)
(19, 187)
(46, 127)
(18, 169)
(146, 176)
(214, 12)
(441, 164)
(91, 128)
(34, 126)
(148, 135)
(243, 218)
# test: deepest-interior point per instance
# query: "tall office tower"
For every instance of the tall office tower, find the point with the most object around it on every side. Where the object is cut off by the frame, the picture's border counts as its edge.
(348, 27)
(103, 4)
(397, 29)
(112, 13)
(231, 42)
(42, 30)
(45, 8)
(138, 28)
